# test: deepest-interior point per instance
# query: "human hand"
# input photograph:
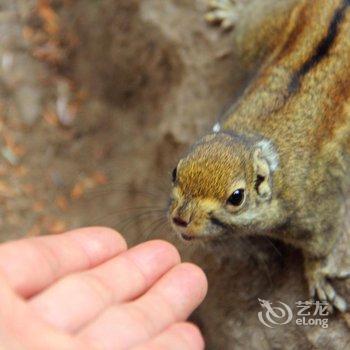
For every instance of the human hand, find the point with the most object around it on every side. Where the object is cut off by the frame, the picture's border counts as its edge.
(85, 290)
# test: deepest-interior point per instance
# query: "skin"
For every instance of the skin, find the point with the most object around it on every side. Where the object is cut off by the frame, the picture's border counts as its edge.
(285, 143)
(85, 290)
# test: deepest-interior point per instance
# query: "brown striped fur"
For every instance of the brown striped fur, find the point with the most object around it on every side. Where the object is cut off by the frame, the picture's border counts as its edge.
(298, 106)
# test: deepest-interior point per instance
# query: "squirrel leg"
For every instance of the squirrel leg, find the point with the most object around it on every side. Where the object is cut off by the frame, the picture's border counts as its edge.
(223, 12)
(319, 273)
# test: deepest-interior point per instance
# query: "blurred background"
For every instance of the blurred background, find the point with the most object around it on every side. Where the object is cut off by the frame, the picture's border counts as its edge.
(98, 98)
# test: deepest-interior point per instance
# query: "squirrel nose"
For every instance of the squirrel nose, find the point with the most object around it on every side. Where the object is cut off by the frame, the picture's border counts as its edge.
(180, 222)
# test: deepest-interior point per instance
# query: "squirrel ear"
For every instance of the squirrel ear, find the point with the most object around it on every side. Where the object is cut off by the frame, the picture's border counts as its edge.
(265, 161)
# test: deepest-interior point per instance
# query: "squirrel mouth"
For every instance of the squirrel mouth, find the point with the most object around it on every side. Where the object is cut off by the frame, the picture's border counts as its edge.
(187, 237)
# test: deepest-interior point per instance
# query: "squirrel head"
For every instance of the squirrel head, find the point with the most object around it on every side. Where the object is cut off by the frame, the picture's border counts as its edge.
(224, 185)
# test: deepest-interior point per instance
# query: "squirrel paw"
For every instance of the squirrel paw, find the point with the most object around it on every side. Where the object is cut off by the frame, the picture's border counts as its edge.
(222, 12)
(320, 287)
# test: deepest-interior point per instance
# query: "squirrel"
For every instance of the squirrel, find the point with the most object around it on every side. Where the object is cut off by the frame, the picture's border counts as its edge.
(278, 163)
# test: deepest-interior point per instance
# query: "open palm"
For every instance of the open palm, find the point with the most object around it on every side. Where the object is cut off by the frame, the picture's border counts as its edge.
(85, 290)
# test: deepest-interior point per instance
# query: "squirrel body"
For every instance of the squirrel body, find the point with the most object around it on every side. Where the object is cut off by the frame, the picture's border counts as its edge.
(278, 164)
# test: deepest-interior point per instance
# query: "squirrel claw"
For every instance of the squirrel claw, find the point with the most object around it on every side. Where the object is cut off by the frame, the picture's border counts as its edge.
(343, 275)
(325, 292)
(321, 289)
(222, 12)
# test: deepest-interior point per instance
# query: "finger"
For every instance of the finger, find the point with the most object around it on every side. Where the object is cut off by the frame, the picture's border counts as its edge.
(170, 300)
(180, 336)
(20, 327)
(73, 301)
(32, 264)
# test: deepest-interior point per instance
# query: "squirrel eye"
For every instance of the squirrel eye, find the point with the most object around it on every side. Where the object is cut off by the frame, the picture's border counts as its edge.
(236, 198)
(174, 174)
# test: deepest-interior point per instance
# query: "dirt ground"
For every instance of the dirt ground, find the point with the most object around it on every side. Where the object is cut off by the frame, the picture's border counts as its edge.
(98, 99)
(97, 104)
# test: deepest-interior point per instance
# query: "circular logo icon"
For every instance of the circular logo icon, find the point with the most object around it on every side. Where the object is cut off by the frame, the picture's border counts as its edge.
(274, 315)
